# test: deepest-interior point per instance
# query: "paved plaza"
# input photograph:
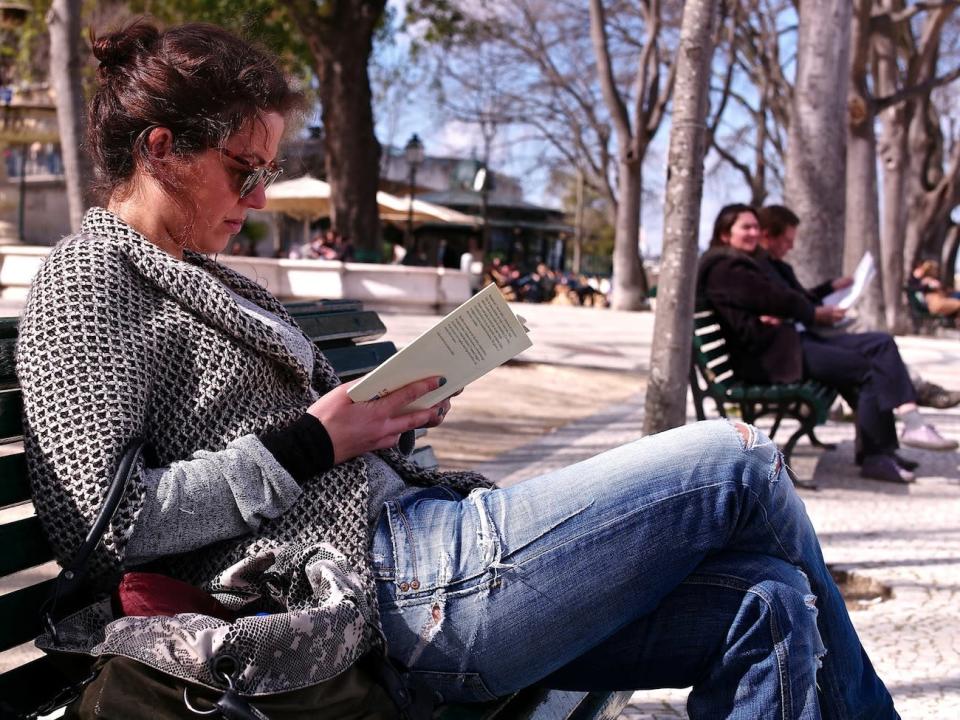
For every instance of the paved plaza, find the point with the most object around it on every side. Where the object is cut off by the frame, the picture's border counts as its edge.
(904, 537)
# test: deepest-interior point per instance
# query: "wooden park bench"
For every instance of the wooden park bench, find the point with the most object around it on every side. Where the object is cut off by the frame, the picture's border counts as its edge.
(712, 376)
(347, 334)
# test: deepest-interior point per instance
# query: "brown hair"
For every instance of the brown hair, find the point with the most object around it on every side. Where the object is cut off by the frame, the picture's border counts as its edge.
(198, 80)
(927, 269)
(775, 219)
(726, 219)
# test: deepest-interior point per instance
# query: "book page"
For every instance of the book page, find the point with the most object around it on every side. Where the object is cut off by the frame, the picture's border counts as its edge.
(465, 345)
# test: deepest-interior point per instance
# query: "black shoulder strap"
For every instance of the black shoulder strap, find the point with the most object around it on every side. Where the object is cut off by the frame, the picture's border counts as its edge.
(71, 577)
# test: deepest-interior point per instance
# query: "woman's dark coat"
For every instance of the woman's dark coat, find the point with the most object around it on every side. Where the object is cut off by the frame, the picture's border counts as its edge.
(738, 288)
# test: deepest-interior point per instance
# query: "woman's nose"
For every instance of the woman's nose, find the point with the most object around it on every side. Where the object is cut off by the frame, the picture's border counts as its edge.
(257, 199)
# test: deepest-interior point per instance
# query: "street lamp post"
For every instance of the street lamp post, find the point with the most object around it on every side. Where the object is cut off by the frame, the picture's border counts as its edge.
(481, 184)
(413, 153)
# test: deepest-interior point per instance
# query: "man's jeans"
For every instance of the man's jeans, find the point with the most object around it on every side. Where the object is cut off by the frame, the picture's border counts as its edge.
(685, 558)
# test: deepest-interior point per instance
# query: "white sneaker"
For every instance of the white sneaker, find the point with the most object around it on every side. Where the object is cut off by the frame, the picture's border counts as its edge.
(926, 437)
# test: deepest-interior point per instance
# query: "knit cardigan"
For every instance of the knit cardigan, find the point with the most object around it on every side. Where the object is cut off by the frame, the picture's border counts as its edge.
(119, 340)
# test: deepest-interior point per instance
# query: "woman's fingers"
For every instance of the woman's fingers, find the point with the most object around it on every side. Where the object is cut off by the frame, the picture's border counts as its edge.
(401, 397)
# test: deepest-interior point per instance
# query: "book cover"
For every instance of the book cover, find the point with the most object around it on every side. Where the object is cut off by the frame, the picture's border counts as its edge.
(478, 336)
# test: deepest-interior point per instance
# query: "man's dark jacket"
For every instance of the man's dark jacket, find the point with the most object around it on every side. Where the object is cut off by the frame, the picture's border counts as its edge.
(740, 290)
(783, 272)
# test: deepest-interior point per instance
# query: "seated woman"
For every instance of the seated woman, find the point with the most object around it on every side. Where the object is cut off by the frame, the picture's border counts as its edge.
(684, 558)
(759, 311)
(925, 279)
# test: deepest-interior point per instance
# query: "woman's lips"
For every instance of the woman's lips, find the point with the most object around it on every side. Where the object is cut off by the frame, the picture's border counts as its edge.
(234, 225)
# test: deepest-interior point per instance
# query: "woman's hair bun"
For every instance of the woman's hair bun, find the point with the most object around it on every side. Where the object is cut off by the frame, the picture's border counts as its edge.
(116, 49)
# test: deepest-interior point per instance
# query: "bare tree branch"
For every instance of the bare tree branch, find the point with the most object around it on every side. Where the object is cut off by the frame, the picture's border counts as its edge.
(917, 90)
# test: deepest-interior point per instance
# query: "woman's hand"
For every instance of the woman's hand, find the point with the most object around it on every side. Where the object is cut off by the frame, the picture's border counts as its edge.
(842, 282)
(356, 428)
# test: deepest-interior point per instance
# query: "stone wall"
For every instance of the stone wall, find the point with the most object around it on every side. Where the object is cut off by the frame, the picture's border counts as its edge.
(379, 287)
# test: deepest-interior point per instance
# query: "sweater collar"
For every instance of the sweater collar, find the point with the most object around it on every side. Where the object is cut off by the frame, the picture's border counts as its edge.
(200, 284)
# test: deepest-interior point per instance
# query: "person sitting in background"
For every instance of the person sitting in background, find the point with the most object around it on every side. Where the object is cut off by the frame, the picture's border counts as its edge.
(776, 240)
(938, 299)
(343, 246)
(758, 307)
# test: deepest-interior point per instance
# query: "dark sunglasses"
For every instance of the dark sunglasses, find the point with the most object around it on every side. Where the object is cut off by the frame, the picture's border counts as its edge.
(265, 174)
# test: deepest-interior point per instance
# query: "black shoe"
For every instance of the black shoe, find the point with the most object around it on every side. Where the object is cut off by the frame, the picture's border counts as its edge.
(883, 468)
(932, 395)
(910, 465)
(899, 459)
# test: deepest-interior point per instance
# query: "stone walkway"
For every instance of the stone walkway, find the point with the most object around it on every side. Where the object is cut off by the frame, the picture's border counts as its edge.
(906, 537)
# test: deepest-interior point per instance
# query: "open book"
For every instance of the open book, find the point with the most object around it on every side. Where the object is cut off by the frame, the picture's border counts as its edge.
(465, 345)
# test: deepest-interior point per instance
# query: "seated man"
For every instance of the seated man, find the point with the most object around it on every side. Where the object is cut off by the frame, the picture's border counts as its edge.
(857, 364)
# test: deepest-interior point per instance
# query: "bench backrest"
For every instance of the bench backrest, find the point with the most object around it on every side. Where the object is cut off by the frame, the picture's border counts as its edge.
(917, 303)
(26, 567)
(711, 355)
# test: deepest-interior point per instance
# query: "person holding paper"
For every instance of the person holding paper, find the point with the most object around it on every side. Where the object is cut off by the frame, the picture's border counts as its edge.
(759, 300)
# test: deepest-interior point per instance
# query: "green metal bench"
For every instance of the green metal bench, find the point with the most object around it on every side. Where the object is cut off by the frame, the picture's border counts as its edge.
(712, 376)
(348, 336)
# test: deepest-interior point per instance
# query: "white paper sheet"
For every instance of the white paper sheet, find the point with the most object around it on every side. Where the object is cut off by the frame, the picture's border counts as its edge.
(848, 297)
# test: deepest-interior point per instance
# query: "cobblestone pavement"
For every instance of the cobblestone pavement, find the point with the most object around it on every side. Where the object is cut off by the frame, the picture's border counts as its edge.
(906, 537)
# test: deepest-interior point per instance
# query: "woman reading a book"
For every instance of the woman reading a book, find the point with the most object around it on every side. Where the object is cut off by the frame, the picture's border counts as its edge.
(685, 558)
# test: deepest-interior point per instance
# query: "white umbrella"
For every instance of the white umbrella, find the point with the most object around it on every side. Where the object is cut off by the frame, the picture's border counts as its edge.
(307, 198)
(304, 198)
(397, 209)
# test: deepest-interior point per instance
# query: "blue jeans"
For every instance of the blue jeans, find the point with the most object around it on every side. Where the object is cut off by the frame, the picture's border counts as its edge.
(684, 558)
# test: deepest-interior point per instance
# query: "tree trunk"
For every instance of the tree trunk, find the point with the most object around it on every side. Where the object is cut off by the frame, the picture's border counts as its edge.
(64, 21)
(817, 138)
(893, 156)
(948, 255)
(633, 133)
(666, 400)
(339, 34)
(893, 152)
(578, 226)
(629, 280)
(862, 226)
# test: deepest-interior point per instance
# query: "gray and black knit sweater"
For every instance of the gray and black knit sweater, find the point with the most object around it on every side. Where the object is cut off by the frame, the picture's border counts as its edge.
(119, 340)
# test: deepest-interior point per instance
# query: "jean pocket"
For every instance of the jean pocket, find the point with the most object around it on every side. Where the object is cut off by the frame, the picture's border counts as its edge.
(425, 542)
(450, 687)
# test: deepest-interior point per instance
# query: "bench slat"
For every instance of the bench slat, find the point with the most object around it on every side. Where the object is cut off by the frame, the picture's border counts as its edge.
(11, 405)
(24, 545)
(328, 329)
(305, 307)
(718, 360)
(26, 688)
(14, 484)
(356, 360)
(8, 327)
(23, 604)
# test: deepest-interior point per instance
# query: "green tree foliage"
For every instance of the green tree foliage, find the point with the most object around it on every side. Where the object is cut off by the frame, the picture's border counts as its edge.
(269, 23)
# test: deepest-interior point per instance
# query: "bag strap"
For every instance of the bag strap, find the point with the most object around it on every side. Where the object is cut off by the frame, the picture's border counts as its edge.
(71, 577)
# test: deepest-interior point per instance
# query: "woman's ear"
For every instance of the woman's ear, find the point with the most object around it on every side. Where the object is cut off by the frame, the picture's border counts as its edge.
(160, 142)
